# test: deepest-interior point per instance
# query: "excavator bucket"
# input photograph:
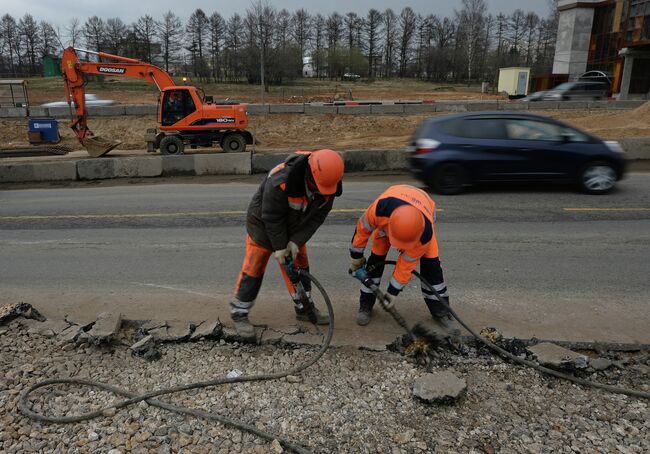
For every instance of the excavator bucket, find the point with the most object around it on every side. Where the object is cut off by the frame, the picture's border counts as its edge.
(97, 146)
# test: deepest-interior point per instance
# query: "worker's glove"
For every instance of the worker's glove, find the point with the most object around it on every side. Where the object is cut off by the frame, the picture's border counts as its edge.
(389, 300)
(355, 264)
(293, 249)
(281, 255)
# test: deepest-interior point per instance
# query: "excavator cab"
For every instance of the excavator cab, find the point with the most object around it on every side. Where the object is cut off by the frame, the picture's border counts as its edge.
(177, 103)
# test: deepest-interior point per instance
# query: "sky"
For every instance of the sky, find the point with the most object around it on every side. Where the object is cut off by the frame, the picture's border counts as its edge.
(59, 12)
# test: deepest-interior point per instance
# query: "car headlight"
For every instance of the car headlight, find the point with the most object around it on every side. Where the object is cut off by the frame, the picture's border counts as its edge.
(614, 146)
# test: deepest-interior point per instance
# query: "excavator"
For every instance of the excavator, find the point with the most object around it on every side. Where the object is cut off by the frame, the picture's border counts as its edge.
(185, 115)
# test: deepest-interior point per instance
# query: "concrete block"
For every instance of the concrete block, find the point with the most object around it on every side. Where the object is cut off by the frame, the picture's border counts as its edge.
(630, 104)
(59, 112)
(354, 110)
(482, 106)
(513, 106)
(105, 328)
(419, 108)
(96, 169)
(362, 160)
(35, 112)
(557, 357)
(636, 148)
(178, 165)
(105, 111)
(262, 163)
(451, 107)
(545, 105)
(210, 328)
(141, 110)
(38, 171)
(598, 105)
(258, 109)
(137, 166)
(439, 387)
(16, 112)
(573, 105)
(4, 112)
(387, 109)
(287, 108)
(223, 164)
(320, 110)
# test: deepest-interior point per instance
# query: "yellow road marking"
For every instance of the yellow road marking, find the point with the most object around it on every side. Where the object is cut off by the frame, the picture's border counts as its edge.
(144, 215)
(606, 209)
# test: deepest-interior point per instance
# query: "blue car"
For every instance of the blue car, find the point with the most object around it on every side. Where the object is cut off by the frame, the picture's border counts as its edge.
(449, 153)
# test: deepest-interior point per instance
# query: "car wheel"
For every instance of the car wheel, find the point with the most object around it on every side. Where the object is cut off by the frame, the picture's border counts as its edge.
(598, 177)
(449, 179)
(172, 145)
(233, 143)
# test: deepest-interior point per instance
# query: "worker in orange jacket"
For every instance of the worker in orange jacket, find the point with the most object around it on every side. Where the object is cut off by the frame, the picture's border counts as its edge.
(402, 217)
(289, 206)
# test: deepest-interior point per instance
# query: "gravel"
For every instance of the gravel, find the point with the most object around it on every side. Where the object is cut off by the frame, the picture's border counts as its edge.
(350, 401)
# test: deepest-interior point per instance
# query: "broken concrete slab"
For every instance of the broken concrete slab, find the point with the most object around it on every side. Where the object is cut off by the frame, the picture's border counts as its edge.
(9, 312)
(210, 328)
(105, 328)
(442, 387)
(177, 331)
(146, 348)
(73, 333)
(554, 356)
(49, 328)
(153, 324)
(600, 363)
(271, 337)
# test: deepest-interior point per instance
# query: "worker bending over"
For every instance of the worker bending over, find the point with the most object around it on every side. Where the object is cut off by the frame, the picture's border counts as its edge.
(292, 202)
(402, 217)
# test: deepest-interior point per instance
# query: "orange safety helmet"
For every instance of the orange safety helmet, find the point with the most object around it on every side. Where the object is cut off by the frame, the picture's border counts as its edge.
(327, 169)
(405, 227)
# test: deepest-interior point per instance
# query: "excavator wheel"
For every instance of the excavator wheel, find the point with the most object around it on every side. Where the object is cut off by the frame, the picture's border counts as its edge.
(233, 143)
(172, 145)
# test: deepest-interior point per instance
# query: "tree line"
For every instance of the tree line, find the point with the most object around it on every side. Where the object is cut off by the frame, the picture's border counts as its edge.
(281, 45)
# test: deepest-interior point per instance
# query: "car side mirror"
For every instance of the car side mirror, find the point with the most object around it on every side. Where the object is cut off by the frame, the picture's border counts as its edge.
(209, 99)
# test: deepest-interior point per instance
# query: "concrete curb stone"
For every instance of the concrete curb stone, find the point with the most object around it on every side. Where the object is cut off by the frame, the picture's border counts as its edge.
(38, 171)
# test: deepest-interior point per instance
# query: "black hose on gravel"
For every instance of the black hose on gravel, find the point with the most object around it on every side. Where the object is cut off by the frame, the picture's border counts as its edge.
(133, 398)
(507, 354)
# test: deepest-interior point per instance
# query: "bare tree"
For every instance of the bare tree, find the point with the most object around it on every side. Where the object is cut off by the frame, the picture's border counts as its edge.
(532, 23)
(10, 40)
(116, 32)
(29, 36)
(262, 17)
(373, 22)
(74, 32)
(196, 30)
(216, 38)
(145, 30)
(169, 33)
(517, 29)
(319, 42)
(390, 40)
(94, 32)
(408, 25)
(471, 23)
(301, 29)
(49, 40)
(233, 44)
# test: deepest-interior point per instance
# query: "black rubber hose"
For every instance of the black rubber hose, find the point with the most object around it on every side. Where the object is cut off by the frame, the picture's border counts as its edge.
(507, 354)
(132, 398)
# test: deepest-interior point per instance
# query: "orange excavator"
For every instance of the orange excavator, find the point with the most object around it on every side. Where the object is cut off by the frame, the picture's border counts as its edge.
(185, 115)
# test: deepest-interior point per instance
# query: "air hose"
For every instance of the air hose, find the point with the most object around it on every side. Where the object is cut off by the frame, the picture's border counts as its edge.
(133, 398)
(516, 359)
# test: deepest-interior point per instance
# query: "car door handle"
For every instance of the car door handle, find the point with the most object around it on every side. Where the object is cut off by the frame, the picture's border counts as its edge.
(524, 149)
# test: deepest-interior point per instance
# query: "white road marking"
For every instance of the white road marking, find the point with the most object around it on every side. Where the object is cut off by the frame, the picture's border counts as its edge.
(176, 289)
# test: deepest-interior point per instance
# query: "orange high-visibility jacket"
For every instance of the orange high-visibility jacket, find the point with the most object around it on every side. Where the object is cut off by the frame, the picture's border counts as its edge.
(376, 220)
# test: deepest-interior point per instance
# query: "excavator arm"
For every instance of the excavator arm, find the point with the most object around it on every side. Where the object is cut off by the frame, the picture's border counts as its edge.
(73, 71)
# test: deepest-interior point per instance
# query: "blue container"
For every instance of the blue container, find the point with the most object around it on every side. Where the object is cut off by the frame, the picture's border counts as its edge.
(48, 127)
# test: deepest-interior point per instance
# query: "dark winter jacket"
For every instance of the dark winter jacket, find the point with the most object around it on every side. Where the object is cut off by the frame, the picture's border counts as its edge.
(283, 209)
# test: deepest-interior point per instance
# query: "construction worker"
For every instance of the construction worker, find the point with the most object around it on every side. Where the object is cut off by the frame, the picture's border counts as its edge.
(290, 205)
(402, 217)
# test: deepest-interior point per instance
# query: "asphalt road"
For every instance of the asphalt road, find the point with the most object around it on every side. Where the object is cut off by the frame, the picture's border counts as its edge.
(530, 261)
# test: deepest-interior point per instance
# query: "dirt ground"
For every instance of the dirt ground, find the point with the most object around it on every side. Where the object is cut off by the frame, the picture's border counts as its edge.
(342, 132)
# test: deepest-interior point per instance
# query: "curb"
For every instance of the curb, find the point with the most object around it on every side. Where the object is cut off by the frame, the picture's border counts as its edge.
(338, 108)
(144, 166)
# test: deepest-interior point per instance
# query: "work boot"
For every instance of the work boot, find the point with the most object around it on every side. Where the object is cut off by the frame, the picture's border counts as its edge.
(364, 314)
(243, 326)
(443, 317)
(303, 315)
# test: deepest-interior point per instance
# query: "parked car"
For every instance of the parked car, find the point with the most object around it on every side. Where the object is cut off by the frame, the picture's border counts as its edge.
(91, 100)
(448, 153)
(580, 90)
(351, 76)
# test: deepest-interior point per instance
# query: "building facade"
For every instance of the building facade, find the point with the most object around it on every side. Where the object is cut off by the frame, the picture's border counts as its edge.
(612, 36)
